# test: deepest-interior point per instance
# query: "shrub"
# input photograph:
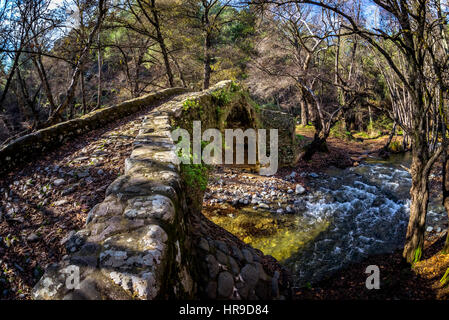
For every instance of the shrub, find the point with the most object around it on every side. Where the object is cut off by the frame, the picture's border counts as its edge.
(189, 104)
(221, 97)
(395, 146)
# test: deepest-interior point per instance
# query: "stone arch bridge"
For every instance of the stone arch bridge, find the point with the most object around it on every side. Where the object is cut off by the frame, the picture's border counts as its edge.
(148, 239)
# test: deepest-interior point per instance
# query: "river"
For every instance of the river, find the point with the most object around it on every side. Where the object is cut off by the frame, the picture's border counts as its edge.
(367, 210)
(345, 216)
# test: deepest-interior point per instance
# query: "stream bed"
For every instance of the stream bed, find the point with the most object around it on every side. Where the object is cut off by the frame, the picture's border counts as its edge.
(346, 215)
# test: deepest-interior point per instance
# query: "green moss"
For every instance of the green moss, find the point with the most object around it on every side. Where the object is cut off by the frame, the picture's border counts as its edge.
(418, 253)
(235, 87)
(195, 175)
(219, 112)
(221, 97)
(191, 104)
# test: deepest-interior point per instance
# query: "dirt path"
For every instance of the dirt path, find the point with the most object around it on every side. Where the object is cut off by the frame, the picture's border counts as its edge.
(43, 202)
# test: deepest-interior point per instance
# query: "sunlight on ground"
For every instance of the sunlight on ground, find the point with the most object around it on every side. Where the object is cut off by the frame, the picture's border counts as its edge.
(433, 269)
(277, 235)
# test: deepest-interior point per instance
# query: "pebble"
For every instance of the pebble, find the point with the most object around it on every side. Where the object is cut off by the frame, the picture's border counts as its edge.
(250, 275)
(58, 182)
(68, 191)
(299, 189)
(237, 253)
(264, 206)
(33, 237)
(204, 244)
(222, 258)
(212, 265)
(222, 246)
(60, 202)
(83, 174)
(247, 255)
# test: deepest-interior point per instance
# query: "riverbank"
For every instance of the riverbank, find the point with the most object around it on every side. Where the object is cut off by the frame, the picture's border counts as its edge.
(398, 281)
(256, 209)
(345, 153)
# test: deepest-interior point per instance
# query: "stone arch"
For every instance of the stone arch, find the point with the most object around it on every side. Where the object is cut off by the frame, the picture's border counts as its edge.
(240, 115)
(140, 241)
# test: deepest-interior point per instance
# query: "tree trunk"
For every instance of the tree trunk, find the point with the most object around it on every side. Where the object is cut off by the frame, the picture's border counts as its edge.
(37, 60)
(207, 61)
(57, 114)
(419, 193)
(405, 142)
(166, 60)
(304, 108)
(446, 190)
(9, 126)
(99, 89)
(71, 111)
(160, 40)
(83, 93)
(390, 138)
(318, 144)
(304, 114)
(181, 75)
(9, 79)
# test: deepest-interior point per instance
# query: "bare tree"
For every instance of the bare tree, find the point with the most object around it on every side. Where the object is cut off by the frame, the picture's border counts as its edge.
(299, 55)
(146, 20)
(57, 114)
(413, 21)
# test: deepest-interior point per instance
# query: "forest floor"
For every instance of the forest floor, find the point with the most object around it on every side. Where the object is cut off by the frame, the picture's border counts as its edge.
(398, 279)
(351, 152)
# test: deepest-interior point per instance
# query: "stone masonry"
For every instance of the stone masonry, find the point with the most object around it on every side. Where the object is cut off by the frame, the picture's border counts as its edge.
(145, 242)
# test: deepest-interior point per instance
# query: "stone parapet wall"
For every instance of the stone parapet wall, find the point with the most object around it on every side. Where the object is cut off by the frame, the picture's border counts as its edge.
(133, 244)
(27, 147)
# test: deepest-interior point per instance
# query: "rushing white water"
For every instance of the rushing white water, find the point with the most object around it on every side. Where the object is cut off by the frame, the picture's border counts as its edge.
(367, 208)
